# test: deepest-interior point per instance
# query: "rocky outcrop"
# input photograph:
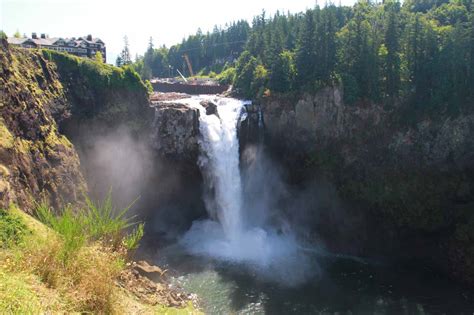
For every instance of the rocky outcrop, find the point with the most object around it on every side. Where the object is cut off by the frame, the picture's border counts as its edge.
(317, 119)
(175, 131)
(211, 107)
(409, 185)
(36, 161)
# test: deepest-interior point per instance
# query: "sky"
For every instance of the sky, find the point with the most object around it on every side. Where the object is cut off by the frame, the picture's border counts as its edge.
(166, 21)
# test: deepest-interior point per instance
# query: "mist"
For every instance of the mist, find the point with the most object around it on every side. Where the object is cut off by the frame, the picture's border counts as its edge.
(242, 198)
(119, 162)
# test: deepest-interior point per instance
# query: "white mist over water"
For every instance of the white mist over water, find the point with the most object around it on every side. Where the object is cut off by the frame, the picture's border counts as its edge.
(272, 253)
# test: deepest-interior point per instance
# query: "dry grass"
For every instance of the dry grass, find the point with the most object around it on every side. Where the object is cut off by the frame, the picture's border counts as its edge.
(35, 278)
(86, 282)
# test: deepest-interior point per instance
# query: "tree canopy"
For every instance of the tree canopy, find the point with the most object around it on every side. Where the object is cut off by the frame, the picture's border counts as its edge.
(421, 51)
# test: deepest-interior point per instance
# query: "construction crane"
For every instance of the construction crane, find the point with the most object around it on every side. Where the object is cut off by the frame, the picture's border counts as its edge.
(186, 57)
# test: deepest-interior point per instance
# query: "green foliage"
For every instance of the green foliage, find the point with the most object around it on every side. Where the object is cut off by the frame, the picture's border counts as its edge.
(99, 58)
(103, 221)
(283, 73)
(3, 35)
(351, 88)
(245, 69)
(149, 87)
(421, 53)
(227, 76)
(305, 51)
(98, 74)
(125, 57)
(12, 229)
(259, 81)
(132, 240)
(68, 224)
(98, 221)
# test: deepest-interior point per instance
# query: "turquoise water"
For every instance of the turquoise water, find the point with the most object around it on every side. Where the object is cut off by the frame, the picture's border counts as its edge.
(343, 286)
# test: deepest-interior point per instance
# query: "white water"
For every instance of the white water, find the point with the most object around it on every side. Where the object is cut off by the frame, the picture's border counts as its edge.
(275, 255)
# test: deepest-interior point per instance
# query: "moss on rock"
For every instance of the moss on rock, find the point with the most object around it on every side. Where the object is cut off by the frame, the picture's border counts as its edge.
(40, 161)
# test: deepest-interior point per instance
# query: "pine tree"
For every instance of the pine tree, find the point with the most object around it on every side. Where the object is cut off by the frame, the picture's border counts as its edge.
(471, 53)
(283, 73)
(305, 53)
(148, 61)
(125, 54)
(393, 50)
(119, 61)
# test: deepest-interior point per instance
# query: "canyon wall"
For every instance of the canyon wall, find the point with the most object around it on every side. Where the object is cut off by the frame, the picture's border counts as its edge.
(405, 188)
(36, 161)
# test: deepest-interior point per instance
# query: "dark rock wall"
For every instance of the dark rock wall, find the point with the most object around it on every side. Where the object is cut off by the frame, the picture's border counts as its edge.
(175, 131)
(405, 190)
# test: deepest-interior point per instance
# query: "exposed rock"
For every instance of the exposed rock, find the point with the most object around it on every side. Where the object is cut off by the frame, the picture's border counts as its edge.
(414, 181)
(153, 292)
(170, 96)
(36, 161)
(211, 107)
(175, 131)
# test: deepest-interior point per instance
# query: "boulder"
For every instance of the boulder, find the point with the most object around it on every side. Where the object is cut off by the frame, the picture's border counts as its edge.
(211, 107)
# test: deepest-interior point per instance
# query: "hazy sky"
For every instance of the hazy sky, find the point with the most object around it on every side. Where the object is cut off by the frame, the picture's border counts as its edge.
(166, 21)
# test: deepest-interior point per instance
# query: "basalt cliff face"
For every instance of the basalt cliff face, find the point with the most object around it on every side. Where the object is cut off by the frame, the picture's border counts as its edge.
(36, 161)
(176, 131)
(405, 188)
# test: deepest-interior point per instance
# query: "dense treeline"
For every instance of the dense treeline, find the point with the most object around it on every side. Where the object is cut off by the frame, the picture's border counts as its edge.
(421, 51)
(206, 52)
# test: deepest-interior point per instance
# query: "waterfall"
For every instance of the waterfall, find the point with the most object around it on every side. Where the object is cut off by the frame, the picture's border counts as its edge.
(227, 236)
(220, 163)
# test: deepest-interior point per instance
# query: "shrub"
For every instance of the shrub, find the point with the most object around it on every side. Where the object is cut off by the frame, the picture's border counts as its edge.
(227, 76)
(12, 229)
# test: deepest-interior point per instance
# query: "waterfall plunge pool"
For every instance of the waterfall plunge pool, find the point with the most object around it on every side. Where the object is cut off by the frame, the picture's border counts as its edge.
(238, 263)
(343, 285)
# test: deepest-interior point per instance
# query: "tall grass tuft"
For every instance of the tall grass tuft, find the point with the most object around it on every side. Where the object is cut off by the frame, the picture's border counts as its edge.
(98, 221)
(132, 240)
(88, 254)
(68, 224)
(104, 222)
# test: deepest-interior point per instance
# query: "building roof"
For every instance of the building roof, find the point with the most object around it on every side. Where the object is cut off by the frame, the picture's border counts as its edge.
(51, 41)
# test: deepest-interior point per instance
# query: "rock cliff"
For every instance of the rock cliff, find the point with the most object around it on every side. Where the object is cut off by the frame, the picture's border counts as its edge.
(409, 183)
(36, 161)
(175, 131)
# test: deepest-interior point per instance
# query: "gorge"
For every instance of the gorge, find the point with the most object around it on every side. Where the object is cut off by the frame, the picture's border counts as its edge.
(282, 205)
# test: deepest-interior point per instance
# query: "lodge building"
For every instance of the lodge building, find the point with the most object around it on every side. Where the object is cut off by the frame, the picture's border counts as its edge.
(86, 46)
